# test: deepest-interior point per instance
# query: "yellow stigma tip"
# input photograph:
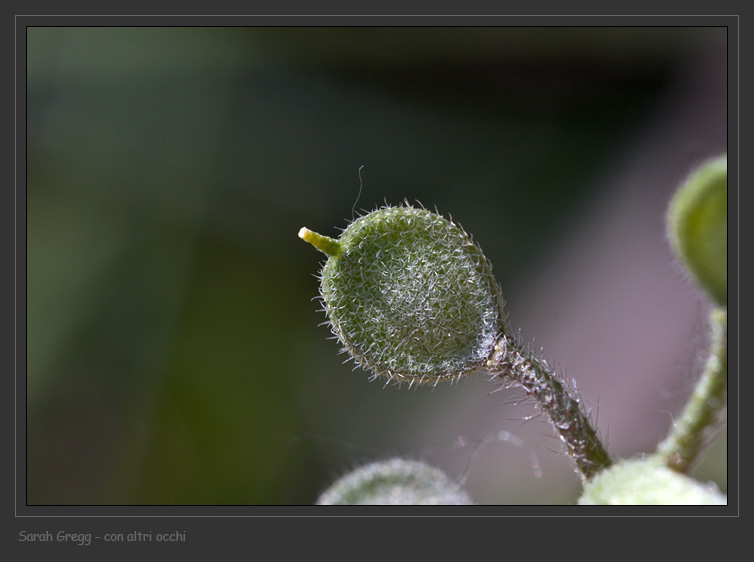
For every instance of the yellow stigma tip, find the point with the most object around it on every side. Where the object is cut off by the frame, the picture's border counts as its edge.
(324, 244)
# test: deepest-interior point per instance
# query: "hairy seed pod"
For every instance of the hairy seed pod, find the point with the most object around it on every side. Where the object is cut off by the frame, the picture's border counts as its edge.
(395, 482)
(648, 481)
(410, 296)
(698, 227)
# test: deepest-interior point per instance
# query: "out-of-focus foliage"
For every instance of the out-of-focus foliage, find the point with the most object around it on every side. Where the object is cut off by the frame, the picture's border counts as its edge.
(173, 353)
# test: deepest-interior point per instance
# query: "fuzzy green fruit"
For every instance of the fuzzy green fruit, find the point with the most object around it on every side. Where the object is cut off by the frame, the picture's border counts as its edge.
(410, 296)
(647, 482)
(395, 482)
(698, 227)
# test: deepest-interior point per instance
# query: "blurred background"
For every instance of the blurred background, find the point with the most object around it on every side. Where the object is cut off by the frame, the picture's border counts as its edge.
(175, 354)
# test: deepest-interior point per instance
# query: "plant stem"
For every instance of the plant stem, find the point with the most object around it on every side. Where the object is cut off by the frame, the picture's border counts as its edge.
(512, 362)
(706, 407)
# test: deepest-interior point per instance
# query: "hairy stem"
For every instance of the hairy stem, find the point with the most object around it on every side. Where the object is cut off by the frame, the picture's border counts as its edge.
(705, 409)
(513, 363)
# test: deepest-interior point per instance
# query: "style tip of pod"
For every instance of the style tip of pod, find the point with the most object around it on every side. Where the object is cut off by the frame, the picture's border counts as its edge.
(325, 244)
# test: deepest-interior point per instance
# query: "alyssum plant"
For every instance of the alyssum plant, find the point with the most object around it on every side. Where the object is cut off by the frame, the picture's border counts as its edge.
(412, 299)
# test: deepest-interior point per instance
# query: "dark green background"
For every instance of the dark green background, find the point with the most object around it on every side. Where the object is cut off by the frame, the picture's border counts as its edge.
(173, 349)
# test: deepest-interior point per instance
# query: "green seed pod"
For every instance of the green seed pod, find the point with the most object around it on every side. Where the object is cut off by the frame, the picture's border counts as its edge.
(395, 482)
(698, 227)
(410, 296)
(648, 482)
